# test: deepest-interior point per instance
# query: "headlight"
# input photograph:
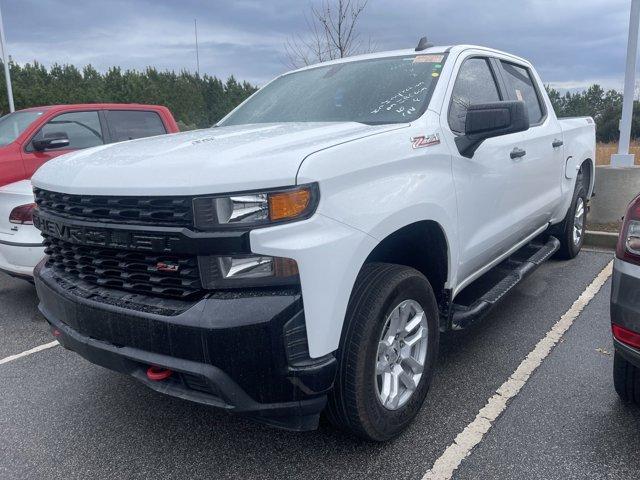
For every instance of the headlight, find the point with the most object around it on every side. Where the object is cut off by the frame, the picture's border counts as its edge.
(250, 209)
(247, 271)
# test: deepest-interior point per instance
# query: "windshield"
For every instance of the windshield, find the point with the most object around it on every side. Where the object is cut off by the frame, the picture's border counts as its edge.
(12, 125)
(378, 91)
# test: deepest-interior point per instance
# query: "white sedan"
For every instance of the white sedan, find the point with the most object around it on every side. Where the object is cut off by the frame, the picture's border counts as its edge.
(20, 242)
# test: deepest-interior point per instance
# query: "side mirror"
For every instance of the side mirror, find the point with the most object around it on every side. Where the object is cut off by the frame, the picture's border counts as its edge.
(51, 140)
(488, 120)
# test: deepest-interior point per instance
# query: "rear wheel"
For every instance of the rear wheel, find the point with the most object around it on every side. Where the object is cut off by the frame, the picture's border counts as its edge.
(387, 352)
(571, 231)
(626, 379)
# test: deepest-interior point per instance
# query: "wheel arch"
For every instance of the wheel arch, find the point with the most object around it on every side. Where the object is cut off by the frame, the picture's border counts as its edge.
(587, 168)
(422, 245)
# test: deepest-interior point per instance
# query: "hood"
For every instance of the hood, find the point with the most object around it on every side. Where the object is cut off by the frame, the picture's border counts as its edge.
(216, 160)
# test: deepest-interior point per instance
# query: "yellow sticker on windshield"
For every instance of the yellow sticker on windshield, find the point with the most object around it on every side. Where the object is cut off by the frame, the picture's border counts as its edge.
(428, 59)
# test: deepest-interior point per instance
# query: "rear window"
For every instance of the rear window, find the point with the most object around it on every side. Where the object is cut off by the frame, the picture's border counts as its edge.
(131, 124)
(522, 87)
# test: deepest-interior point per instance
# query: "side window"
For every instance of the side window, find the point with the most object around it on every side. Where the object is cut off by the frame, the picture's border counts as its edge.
(475, 84)
(131, 124)
(522, 87)
(82, 128)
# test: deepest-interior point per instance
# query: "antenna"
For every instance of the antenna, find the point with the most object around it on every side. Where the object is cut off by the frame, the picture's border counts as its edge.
(423, 44)
(195, 27)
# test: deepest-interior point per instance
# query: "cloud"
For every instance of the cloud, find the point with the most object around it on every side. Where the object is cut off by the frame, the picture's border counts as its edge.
(573, 42)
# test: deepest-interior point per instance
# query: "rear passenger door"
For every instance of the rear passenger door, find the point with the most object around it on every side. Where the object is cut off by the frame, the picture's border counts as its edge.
(543, 165)
(131, 124)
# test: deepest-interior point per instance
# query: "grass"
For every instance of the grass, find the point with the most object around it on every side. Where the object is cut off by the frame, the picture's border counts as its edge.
(605, 150)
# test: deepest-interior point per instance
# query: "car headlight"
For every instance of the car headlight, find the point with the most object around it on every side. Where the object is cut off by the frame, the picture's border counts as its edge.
(252, 209)
(247, 271)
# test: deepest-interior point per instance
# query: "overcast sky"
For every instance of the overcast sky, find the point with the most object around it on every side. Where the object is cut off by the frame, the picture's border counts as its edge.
(573, 43)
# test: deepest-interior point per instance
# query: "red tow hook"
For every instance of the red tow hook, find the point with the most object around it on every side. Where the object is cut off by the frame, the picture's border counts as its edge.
(157, 374)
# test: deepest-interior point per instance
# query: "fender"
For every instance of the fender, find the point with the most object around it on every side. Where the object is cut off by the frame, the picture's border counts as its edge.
(418, 213)
(391, 186)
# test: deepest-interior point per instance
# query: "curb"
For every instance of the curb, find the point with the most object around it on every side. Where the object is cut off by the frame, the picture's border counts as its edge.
(598, 239)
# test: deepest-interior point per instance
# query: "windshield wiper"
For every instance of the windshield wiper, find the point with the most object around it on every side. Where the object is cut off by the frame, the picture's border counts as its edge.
(377, 123)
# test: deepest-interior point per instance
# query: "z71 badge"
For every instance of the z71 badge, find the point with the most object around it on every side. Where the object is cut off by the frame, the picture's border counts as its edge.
(425, 140)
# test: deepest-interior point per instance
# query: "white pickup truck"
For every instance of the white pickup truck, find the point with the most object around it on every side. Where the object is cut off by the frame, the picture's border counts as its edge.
(305, 253)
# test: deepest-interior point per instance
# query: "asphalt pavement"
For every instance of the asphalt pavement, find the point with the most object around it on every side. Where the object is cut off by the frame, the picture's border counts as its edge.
(61, 417)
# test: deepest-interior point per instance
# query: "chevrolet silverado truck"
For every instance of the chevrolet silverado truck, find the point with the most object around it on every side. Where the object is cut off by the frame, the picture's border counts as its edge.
(304, 254)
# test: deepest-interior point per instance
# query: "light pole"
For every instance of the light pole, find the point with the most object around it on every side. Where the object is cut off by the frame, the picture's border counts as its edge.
(623, 158)
(5, 61)
(195, 26)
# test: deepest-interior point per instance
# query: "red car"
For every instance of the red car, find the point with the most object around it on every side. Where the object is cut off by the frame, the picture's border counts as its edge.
(30, 137)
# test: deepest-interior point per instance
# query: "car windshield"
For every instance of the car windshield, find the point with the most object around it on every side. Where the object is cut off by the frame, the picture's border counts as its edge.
(377, 91)
(13, 124)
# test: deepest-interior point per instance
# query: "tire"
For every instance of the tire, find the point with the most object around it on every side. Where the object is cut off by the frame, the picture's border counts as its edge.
(564, 232)
(355, 404)
(626, 379)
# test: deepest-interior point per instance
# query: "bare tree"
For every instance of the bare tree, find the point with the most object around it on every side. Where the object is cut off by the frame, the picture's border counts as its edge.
(331, 34)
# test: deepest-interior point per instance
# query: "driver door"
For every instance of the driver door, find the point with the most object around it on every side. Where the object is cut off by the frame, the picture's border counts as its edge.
(83, 129)
(489, 185)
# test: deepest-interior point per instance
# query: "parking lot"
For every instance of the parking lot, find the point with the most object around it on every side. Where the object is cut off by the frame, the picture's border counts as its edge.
(61, 417)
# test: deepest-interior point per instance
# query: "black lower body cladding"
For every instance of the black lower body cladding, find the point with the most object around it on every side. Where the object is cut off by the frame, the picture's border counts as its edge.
(243, 352)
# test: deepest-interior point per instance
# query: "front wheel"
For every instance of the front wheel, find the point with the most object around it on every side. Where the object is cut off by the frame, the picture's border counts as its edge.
(387, 352)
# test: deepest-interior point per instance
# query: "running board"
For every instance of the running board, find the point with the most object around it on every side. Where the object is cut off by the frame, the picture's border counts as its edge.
(481, 298)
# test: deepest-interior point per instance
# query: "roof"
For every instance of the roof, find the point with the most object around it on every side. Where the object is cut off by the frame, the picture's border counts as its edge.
(100, 106)
(411, 51)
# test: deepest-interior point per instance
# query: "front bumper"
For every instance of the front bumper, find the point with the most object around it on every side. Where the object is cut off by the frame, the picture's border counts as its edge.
(625, 305)
(242, 352)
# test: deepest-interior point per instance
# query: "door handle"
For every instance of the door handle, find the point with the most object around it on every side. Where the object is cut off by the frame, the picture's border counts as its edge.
(518, 152)
(557, 143)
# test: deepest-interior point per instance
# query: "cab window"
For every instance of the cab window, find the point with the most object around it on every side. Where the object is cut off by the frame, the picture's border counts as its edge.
(82, 128)
(521, 87)
(131, 124)
(475, 84)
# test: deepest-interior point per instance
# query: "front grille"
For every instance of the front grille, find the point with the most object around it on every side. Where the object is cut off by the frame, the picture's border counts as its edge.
(156, 211)
(126, 270)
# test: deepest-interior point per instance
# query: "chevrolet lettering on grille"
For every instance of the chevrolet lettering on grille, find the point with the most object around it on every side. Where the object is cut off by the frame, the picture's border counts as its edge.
(91, 236)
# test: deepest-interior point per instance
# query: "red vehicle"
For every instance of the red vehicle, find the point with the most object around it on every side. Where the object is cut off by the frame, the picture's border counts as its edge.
(30, 137)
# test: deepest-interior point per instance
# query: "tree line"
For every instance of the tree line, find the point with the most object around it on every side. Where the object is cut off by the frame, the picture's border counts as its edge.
(196, 101)
(604, 106)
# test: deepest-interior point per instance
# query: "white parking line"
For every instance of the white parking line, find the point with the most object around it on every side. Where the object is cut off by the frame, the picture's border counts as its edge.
(26, 353)
(471, 436)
